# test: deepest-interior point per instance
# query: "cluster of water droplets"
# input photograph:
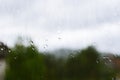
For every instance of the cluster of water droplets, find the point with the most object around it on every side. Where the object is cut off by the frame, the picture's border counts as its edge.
(72, 55)
(59, 34)
(45, 45)
(106, 60)
(32, 45)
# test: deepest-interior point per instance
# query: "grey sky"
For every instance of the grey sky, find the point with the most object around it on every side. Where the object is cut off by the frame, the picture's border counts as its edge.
(62, 23)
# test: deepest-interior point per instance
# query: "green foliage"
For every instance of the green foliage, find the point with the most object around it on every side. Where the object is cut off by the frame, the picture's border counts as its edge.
(87, 65)
(27, 63)
(3, 50)
(24, 64)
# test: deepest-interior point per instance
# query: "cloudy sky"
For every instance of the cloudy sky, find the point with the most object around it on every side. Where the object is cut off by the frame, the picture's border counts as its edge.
(54, 24)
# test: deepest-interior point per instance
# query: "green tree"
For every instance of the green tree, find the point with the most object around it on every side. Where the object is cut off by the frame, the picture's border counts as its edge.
(87, 65)
(24, 63)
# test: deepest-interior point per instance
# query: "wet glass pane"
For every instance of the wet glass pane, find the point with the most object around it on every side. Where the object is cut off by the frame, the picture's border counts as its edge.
(59, 40)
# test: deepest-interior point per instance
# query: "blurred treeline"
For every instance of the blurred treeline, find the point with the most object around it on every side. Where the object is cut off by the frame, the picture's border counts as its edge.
(27, 63)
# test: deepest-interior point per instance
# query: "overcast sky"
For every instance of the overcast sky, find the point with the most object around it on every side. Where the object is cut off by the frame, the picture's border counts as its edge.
(54, 24)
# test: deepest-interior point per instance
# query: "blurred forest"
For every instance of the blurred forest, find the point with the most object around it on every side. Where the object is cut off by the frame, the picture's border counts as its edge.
(27, 63)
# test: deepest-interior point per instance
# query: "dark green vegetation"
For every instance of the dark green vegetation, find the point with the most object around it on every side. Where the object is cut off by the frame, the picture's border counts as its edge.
(3, 50)
(27, 63)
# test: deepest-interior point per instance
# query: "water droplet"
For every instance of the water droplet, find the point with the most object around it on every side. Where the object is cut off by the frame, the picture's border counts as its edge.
(44, 47)
(15, 57)
(1, 49)
(9, 51)
(97, 61)
(72, 55)
(110, 60)
(59, 38)
(33, 48)
(31, 43)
